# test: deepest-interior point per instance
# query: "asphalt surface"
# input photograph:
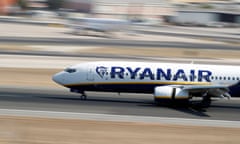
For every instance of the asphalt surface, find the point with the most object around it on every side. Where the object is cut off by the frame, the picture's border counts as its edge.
(43, 99)
(115, 42)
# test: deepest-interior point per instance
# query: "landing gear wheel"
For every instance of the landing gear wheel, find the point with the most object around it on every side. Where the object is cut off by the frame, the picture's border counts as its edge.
(83, 96)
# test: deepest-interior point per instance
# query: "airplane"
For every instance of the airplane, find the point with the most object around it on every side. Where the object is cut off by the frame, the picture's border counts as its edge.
(168, 82)
(103, 25)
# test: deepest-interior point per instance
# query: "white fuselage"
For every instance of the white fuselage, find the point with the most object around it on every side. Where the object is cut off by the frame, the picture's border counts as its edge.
(144, 77)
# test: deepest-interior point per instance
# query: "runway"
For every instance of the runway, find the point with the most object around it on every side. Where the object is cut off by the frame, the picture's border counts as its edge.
(31, 88)
(60, 100)
(27, 91)
(21, 61)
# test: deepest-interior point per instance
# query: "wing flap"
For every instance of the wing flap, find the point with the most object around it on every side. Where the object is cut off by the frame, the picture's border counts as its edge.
(214, 90)
(196, 87)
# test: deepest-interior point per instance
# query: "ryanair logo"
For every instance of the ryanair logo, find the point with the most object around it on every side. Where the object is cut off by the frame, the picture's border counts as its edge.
(101, 71)
(117, 72)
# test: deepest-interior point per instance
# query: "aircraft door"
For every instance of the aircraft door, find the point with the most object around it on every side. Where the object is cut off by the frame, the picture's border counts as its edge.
(90, 74)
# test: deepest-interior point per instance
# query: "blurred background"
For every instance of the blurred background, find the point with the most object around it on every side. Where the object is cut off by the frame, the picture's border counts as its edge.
(192, 25)
(39, 38)
(181, 12)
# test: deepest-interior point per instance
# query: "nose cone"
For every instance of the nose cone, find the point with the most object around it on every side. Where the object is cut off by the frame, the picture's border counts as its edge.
(58, 78)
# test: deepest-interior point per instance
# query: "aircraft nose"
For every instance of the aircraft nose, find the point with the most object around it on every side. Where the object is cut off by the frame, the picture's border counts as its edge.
(58, 78)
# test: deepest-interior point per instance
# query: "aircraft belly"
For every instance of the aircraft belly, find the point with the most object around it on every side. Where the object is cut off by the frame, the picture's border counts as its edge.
(134, 88)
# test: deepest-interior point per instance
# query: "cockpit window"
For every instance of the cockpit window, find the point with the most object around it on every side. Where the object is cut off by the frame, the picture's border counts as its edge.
(70, 70)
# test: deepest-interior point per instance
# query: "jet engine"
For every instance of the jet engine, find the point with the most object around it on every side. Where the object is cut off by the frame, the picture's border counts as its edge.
(163, 94)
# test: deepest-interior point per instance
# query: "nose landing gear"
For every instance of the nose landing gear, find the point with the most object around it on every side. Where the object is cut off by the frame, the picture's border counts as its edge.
(83, 94)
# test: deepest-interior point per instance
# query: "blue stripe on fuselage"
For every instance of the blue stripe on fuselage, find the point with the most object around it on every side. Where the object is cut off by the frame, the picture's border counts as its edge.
(134, 88)
(137, 87)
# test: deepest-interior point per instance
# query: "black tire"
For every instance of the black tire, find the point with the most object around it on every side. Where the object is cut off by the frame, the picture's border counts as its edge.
(83, 97)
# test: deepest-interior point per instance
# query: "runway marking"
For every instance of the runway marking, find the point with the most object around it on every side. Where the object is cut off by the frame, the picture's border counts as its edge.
(119, 118)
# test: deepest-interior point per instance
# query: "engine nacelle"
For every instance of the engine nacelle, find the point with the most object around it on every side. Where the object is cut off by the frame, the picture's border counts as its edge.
(171, 93)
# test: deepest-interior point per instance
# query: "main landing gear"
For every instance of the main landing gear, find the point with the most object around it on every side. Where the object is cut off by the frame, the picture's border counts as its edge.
(206, 101)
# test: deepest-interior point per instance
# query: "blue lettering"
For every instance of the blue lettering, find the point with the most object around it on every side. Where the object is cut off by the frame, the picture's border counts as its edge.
(180, 75)
(161, 73)
(133, 73)
(204, 74)
(147, 73)
(192, 75)
(119, 71)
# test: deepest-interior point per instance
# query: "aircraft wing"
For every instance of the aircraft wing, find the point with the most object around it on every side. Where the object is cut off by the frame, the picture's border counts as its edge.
(192, 87)
(213, 90)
